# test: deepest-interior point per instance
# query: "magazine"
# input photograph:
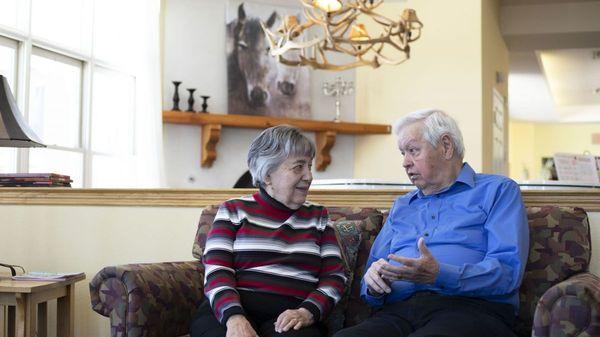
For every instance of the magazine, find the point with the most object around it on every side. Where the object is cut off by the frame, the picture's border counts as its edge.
(45, 276)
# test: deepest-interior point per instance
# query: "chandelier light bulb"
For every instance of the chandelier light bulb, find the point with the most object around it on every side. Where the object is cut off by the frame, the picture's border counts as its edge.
(410, 15)
(328, 6)
(358, 32)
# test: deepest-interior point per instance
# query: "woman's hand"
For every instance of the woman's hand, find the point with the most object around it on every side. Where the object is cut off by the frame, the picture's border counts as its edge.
(375, 278)
(238, 326)
(293, 318)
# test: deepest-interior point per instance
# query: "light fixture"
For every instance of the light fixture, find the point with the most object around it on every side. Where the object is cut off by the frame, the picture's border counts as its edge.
(337, 21)
(14, 132)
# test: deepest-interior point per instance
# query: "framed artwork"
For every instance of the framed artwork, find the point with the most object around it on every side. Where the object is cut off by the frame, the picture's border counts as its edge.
(256, 83)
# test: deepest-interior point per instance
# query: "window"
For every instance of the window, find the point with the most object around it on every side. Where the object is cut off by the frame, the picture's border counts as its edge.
(78, 73)
(8, 65)
(8, 60)
(55, 98)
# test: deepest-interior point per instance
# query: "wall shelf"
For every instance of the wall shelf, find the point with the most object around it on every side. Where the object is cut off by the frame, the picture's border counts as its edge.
(325, 131)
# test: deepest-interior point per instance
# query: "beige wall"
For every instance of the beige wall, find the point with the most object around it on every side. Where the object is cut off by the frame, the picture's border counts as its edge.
(77, 238)
(494, 60)
(521, 159)
(447, 69)
(529, 142)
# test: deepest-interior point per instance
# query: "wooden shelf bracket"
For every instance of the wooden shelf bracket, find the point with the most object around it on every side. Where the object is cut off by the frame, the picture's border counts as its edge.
(325, 141)
(211, 134)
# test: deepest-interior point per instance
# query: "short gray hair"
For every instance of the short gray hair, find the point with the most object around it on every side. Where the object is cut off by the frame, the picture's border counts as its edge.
(272, 147)
(436, 123)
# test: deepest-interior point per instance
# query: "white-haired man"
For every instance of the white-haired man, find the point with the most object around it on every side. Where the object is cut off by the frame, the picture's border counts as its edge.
(450, 258)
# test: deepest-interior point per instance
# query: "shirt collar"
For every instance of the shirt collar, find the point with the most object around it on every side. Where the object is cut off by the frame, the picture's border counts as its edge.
(266, 200)
(466, 176)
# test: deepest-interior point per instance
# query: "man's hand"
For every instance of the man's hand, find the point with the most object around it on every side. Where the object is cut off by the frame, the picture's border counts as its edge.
(293, 318)
(374, 278)
(238, 326)
(423, 270)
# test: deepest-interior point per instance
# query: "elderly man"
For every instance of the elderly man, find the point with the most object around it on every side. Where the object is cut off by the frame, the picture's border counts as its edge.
(451, 256)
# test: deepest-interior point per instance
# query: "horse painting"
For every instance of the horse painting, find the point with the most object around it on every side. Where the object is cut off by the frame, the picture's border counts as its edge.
(257, 83)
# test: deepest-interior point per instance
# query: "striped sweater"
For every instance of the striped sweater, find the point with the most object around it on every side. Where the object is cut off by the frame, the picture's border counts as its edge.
(258, 244)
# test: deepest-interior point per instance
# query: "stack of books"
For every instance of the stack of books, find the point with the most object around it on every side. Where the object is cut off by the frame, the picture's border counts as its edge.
(34, 180)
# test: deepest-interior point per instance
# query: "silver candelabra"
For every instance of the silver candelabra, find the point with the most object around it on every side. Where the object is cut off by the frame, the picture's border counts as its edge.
(337, 89)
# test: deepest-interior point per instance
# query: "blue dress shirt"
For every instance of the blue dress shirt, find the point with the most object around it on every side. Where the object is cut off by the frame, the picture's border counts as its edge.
(477, 231)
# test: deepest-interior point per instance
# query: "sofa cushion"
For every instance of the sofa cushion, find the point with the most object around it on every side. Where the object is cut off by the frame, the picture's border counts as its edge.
(349, 236)
(355, 310)
(559, 247)
(206, 219)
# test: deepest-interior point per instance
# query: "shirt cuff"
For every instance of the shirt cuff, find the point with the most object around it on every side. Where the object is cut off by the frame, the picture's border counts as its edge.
(448, 277)
(235, 310)
(376, 301)
(314, 310)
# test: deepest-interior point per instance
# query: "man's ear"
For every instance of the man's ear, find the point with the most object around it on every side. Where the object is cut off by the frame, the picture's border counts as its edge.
(448, 147)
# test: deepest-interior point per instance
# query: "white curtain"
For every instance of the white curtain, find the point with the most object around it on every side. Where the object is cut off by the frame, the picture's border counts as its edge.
(134, 46)
(149, 164)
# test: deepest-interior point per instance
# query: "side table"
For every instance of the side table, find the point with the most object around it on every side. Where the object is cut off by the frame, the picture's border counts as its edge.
(25, 306)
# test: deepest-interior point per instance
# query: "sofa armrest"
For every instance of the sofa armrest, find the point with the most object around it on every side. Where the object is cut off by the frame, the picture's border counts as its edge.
(150, 299)
(571, 307)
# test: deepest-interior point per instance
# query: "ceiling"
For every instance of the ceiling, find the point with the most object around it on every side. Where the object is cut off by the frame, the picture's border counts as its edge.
(554, 49)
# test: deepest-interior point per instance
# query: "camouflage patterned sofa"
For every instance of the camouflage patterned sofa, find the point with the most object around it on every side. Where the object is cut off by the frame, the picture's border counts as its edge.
(558, 296)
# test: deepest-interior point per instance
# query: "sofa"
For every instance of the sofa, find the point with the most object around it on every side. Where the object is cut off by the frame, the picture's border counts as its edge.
(558, 296)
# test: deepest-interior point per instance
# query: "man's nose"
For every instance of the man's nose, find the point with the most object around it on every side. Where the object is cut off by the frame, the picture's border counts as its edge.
(406, 162)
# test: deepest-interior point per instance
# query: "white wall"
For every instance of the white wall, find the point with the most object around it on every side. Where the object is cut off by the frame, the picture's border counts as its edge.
(194, 53)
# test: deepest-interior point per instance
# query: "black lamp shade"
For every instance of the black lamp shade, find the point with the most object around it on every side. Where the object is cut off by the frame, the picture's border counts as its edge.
(14, 132)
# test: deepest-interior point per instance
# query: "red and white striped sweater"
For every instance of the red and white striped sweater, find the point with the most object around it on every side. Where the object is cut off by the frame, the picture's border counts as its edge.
(258, 244)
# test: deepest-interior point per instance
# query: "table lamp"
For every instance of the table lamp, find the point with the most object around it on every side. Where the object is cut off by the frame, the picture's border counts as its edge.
(14, 132)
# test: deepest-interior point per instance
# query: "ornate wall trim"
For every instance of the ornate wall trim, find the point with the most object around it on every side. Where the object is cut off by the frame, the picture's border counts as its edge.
(587, 199)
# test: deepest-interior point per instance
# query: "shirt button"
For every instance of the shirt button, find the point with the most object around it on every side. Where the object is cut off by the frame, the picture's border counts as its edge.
(426, 234)
(433, 216)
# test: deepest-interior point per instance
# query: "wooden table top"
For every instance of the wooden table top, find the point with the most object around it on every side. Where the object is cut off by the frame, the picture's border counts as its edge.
(8, 285)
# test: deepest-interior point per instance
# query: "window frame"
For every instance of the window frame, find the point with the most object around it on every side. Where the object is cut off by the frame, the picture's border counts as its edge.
(26, 43)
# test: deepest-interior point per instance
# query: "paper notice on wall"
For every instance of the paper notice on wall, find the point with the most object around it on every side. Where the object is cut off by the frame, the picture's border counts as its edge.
(576, 167)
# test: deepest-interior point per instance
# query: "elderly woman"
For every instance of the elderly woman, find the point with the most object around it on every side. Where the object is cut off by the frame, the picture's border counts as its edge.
(273, 266)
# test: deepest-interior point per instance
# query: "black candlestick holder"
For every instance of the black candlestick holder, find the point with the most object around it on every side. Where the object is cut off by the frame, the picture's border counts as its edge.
(176, 96)
(204, 103)
(191, 100)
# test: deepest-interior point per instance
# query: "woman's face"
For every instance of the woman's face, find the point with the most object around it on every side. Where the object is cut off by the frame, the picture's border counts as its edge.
(289, 182)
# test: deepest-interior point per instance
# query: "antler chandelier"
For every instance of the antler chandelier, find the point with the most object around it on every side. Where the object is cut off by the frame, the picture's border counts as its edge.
(343, 34)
